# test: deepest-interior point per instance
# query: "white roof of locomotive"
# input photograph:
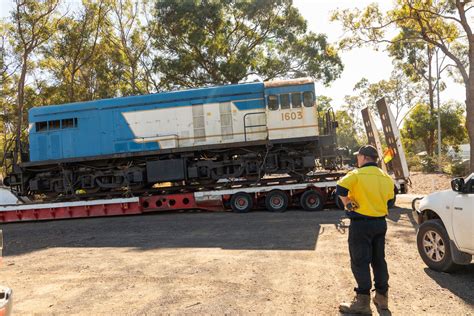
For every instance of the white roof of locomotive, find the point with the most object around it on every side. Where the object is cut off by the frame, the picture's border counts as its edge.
(287, 82)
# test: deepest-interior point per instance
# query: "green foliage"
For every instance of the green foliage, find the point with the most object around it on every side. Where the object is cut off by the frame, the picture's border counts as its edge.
(414, 162)
(429, 164)
(458, 168)
(323, 103)
(347, 134)
(416, 130)
(400, 93)
(228, 41)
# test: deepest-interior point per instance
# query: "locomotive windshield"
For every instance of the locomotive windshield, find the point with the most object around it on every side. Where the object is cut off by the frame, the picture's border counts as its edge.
(308, 99)
(296, 100)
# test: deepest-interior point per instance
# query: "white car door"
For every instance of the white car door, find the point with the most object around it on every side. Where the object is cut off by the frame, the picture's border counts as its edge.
(463, 218)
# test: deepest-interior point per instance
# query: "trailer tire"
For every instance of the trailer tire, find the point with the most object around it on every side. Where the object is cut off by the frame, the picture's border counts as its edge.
(241, 202)
(276, 201)
(312, 201)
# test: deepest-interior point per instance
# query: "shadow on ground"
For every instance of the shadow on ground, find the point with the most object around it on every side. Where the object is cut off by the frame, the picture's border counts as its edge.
(456, 282)
(292, 230)
(396, 213)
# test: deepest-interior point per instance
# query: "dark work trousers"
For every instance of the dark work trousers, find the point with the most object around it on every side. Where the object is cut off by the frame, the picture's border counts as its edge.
(367, 247)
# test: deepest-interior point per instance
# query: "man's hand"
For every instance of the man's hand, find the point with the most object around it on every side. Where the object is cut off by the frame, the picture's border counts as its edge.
(348, 204)
(352, 206)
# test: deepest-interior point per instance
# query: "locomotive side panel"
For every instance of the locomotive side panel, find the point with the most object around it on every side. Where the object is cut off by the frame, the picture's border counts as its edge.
(101, 127)
(198, 124)
(64, 135)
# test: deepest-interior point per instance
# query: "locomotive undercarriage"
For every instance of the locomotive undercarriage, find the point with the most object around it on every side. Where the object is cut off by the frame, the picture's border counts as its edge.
(133, 174)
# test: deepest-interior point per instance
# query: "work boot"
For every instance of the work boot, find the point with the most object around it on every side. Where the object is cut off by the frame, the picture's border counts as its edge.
(381, 300)
(359, 305)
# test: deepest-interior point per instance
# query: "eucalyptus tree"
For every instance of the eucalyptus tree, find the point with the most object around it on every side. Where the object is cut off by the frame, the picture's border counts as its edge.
(32, 24)
(217, 42)
(443, 24)
(131, 37)
(419, 124)
(74, 46)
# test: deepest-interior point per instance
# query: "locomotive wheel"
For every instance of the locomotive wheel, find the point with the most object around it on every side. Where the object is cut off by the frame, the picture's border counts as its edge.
(276, 201)
(312, 201)
(241, 202)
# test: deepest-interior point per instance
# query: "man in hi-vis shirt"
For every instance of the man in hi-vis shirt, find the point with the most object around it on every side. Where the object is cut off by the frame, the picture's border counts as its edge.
(365, 193)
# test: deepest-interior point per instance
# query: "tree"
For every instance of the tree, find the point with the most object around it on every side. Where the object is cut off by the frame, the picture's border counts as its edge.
(7, 96)
(323, 103)
(347, 133)
(219, 42)
(416, 130)
(132, 39)
(400, 93)
(74, 46)
(441, 24)
(33, 22)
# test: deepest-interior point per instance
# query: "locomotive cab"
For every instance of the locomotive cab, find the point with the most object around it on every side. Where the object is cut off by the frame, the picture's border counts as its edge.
(290, 109)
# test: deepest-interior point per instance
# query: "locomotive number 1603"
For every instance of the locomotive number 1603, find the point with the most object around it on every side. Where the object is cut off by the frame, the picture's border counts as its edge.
(291, 116)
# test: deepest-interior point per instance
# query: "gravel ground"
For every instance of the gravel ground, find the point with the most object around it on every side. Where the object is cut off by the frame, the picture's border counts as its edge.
(214, 263)
(426, 183)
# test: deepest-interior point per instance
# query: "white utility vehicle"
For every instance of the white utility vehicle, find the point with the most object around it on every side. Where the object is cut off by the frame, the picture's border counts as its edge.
(445, 236)
(5, 292)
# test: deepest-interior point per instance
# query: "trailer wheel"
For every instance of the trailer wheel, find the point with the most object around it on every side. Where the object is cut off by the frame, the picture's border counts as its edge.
(312, 201)
(241, 202)
(276, 201)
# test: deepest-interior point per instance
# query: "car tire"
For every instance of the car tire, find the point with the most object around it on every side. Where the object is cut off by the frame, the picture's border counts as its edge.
(434, 247)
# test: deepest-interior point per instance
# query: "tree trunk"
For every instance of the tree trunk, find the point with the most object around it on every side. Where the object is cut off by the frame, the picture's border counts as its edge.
(20, 105)
(470, 108)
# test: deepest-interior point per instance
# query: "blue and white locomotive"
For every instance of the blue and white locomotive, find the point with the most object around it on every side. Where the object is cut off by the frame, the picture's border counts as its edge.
(197, 135)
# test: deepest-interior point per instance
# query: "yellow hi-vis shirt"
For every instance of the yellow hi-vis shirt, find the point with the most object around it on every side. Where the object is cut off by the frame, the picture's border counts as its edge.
(371, 188)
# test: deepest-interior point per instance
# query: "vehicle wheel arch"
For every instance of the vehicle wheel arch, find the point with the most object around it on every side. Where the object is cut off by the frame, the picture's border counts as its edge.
(430, 214)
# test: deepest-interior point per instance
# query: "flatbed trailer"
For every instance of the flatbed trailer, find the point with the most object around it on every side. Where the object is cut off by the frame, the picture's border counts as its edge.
(275, 195)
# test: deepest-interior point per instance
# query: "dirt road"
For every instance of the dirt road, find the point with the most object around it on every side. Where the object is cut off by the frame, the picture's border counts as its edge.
(213, 263)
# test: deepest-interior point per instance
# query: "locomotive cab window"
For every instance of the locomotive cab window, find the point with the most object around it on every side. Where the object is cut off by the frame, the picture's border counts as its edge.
(272, 102)
(295, 100)
(285, 101)
(41, 126)
(56, 124)
(308, 99)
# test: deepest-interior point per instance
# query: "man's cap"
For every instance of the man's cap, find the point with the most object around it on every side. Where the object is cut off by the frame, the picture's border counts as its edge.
(368, 150)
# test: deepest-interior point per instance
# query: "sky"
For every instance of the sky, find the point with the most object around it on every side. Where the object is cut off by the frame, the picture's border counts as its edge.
(358, 63)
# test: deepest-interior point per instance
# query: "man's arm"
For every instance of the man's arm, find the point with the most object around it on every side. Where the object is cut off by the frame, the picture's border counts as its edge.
(342, 192)
(345, 200)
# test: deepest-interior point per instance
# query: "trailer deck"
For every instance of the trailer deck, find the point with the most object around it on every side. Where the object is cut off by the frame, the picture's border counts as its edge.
(282, 195)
